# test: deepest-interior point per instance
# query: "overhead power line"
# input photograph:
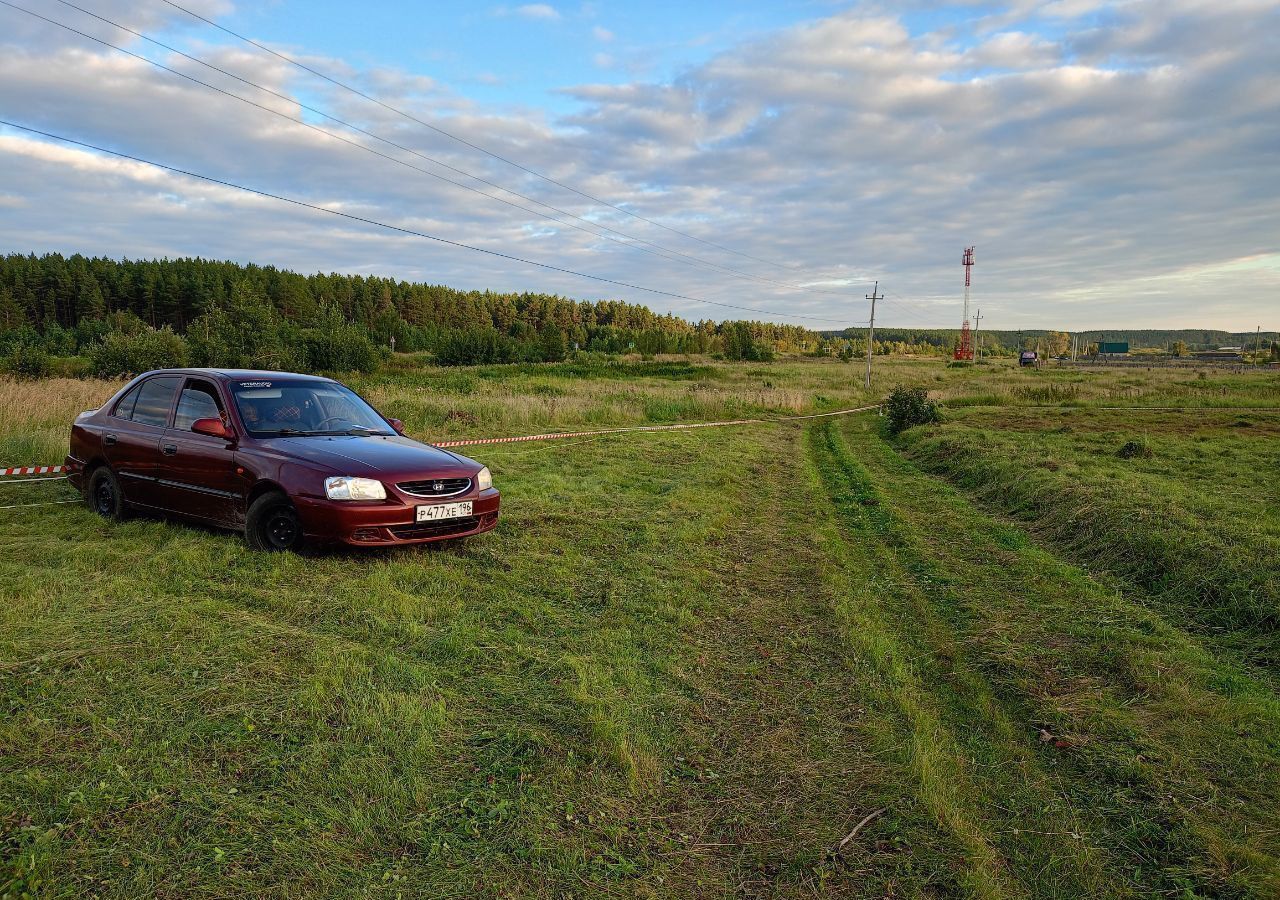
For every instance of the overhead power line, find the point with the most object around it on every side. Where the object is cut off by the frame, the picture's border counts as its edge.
(402, 230)
(640, 244)
(487, 152)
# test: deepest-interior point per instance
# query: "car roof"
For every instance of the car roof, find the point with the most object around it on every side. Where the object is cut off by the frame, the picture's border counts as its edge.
(238, 374)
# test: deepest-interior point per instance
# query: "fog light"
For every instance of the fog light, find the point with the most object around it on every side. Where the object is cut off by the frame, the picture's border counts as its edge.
(366, 534)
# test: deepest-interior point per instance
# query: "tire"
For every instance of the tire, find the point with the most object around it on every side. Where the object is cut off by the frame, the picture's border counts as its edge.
(272, 525)
(103, 494)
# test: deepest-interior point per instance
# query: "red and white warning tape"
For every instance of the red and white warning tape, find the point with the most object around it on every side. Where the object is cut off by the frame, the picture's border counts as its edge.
(32, 470)
(471, 442)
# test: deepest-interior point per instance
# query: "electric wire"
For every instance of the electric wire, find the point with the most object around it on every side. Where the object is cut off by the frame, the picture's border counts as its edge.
(640, 244)
(289, 118)
(406, 231)
(467, 143)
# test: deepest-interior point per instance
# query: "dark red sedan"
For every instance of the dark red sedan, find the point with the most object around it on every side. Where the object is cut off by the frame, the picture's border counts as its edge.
(284, 458)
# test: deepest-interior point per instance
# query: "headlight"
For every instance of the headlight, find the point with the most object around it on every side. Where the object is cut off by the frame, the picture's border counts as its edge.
(484, 480)
(345, 487)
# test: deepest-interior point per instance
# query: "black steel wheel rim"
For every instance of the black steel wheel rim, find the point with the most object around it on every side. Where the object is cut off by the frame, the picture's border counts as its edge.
(281, 529)
(104, 498)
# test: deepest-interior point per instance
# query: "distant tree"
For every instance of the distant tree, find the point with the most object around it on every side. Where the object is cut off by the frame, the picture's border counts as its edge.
(1056, 343)
(1179, 348)
(245, 332)
(551, 343)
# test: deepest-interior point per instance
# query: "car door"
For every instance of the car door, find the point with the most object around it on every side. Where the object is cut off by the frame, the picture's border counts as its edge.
(131, 440)
(199, 476)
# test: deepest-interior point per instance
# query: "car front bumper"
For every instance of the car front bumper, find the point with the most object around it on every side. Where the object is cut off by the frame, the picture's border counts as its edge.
(391, 524)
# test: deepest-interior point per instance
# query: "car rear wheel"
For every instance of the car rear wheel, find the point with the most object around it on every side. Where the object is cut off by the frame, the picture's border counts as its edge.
(272, 524)
(103, 494)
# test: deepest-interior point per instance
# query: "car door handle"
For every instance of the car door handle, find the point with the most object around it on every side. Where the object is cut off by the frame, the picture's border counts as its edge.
(109, 439)
(169, 449)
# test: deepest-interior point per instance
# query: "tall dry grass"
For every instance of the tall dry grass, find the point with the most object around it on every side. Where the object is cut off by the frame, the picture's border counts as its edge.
(36, 416)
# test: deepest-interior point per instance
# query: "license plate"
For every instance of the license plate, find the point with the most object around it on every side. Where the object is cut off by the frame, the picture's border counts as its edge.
(437, 511)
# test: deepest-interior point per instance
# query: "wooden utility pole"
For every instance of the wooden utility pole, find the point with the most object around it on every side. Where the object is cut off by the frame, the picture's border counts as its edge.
(1257, 348)
(977, 340)
(871, 328)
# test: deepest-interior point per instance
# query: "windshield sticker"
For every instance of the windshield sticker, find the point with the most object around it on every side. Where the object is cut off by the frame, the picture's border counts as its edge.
(255, 384)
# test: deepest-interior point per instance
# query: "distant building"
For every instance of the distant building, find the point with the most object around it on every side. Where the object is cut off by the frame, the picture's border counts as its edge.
(1113, 348)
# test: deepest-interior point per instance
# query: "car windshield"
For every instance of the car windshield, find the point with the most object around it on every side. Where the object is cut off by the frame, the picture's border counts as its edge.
(287, 407)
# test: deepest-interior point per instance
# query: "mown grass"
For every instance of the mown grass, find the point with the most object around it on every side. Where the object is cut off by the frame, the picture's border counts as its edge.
(685, 665)
(1193, 519)
(1075, 741)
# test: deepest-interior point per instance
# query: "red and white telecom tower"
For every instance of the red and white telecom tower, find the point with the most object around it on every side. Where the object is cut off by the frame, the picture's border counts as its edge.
(964, 350)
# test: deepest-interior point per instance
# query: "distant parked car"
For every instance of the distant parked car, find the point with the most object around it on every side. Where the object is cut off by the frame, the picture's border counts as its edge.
(284, 458)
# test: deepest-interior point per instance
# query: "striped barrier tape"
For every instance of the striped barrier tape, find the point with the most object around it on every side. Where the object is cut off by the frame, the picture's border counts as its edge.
(33, 470)
(472, 442)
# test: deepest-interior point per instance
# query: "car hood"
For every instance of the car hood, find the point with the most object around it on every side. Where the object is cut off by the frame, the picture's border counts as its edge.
(375, 455)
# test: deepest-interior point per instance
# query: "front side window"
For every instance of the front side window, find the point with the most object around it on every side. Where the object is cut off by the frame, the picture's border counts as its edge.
(287, 407)
(198, 400)
(153, 401)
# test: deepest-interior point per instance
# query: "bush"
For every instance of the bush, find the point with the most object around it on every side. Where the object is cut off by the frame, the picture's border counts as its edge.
(70, 367)
(26, 361)
(909, 407)
(345, 348)
(476, 346)
(129, 354)
(1137, 449)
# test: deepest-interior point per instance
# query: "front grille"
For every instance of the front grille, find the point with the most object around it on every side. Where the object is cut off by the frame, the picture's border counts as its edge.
(436, 487)
(435, 529)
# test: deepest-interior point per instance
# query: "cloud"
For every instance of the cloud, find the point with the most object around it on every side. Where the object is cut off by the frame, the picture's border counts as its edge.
(603, 35)
(543, 11)
(1113, 163)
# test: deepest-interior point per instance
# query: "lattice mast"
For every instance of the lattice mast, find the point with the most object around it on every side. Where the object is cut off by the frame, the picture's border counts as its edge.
(964, 350)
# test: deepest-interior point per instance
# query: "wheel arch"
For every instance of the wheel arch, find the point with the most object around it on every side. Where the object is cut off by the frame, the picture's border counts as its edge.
(266, 486)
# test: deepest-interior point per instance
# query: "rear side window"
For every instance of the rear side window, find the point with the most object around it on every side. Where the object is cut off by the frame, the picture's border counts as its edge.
(155, 397)
(199, 400)
(124, 409)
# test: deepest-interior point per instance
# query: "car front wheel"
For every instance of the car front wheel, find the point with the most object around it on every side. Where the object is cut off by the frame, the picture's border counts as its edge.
(103, 494)
(272, 524)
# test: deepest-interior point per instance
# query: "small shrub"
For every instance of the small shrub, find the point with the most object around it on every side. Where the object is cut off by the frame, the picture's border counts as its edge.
(27, 362)
(70, 367)
(340, 348)
(129, 354)
(909, 407)
(1136, 449)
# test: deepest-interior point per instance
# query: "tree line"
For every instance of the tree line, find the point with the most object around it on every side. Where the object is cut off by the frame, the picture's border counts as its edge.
(210, 312)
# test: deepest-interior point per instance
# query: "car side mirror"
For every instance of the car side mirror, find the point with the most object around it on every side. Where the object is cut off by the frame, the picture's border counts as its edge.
(213, 427)
(397, 425)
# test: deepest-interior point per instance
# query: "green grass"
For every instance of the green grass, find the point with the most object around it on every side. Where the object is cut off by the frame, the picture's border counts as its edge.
(685, 665)
(1192, 519)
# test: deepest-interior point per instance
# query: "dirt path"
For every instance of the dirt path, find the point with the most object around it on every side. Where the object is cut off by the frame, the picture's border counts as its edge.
(780, 764)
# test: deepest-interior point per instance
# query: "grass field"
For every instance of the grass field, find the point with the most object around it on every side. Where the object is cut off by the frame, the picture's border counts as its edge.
(687, 664)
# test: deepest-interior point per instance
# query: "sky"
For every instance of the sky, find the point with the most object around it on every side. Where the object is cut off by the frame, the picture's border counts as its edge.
(1113, 163)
